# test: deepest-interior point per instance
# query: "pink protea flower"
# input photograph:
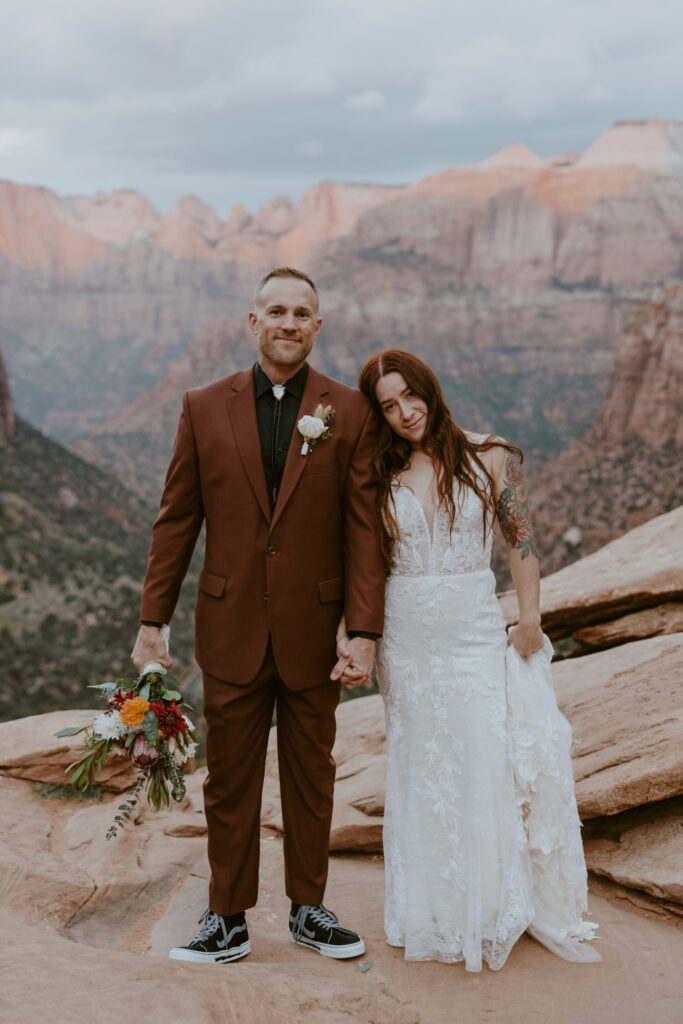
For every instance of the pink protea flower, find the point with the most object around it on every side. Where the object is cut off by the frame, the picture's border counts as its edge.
(143, 755)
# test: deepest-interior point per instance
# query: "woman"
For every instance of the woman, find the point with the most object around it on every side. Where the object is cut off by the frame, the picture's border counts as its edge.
(459, 874)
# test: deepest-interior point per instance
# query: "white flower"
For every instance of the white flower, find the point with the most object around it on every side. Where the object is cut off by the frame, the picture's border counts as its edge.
(109, 726)
(119, 751)
(311, 427)
(181, 755)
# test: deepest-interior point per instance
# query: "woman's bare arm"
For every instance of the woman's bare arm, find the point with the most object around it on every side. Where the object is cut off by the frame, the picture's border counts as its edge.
(512, 511)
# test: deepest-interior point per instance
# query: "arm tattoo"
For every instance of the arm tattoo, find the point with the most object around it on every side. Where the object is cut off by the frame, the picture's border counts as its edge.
(512, 509)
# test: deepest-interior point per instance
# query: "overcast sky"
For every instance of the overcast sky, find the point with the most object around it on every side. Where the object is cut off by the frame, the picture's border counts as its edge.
(237, 101)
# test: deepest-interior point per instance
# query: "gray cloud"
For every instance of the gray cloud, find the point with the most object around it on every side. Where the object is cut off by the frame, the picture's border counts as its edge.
(241, 102)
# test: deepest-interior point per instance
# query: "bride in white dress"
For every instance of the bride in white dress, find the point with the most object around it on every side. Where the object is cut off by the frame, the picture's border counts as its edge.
(464, 876)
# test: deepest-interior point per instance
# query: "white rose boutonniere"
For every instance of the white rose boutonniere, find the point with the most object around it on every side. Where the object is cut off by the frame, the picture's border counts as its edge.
(316, 427)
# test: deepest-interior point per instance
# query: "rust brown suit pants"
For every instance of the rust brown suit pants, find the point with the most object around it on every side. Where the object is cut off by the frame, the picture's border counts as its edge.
(238, 720)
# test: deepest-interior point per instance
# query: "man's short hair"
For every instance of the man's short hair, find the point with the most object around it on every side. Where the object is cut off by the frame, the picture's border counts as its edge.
(284, 272)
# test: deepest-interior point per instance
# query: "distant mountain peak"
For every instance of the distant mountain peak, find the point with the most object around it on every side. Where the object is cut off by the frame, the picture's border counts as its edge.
(114, 217)
(516, 154)
(652, 145)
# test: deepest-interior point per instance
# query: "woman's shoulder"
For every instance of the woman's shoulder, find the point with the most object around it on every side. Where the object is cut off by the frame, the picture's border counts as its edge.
(488, 438)
(476, 438)
(492, 454)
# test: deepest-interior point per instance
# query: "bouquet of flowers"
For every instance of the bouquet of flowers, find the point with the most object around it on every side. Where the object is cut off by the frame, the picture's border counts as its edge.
(146, 722)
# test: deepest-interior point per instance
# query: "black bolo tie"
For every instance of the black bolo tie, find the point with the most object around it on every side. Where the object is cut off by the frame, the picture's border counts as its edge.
(278, 393)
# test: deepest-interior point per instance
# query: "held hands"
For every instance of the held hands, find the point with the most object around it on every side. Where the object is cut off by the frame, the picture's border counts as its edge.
(526, 638)
(355, 658)
(150, 647)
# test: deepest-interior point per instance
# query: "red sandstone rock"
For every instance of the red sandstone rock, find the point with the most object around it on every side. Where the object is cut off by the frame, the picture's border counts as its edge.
(123, 904)
(627, 468)
(30, 750)
(653, 144)
(516, 267)
(37, 230)
(645, 392)
(659, 621)
(641, 849)
(119, 216)
(191, 230)
(644, 568)
(624, 707)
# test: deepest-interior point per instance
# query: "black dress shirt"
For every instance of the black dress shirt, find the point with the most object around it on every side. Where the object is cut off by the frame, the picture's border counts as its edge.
(272, 421)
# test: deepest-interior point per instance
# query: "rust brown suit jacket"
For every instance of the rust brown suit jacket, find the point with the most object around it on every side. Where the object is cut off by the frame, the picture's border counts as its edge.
(289, 575)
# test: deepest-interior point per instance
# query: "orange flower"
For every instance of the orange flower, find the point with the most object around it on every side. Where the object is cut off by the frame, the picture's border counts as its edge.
(133, 711)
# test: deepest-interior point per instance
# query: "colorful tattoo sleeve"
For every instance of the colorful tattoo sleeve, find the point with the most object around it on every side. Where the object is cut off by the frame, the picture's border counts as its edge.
(512, 509)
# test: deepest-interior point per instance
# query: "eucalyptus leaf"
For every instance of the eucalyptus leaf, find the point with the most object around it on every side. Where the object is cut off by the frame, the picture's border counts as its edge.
(171, 695)
(77, 772)
(72, 730)
(150, 727)
(144, 691)
(364, 968)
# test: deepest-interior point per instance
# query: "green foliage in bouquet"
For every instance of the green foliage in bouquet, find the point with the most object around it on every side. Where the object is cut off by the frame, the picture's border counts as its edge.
(146, 722)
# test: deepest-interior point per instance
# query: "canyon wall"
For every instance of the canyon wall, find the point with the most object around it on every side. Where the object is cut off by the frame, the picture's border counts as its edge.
(513, 277)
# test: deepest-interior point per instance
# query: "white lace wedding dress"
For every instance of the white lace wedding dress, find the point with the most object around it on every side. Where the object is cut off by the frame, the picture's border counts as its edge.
(464, 878)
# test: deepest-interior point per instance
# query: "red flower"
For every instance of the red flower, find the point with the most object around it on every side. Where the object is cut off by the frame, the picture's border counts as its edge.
(169, 719)
(118, 699)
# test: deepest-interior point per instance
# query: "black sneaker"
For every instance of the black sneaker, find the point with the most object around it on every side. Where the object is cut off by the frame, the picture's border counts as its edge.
(319, 929)
(220, 940)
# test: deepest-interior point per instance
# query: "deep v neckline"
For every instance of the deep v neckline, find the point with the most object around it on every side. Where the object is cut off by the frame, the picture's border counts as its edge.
(430, 530)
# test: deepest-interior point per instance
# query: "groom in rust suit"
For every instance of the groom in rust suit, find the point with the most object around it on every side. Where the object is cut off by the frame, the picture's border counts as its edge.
(292, 544)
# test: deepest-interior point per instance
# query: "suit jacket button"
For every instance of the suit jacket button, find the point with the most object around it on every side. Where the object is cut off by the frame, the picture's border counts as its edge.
(265, 597)
(272, 551)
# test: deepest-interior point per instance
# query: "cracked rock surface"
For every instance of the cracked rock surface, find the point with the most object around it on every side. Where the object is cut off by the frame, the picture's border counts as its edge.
(86, 924)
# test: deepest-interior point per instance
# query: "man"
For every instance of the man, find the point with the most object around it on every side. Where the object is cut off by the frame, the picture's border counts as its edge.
(292, 543)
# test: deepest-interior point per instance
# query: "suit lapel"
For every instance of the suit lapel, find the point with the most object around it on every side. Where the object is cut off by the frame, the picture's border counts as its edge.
(242, 412)
(314, 389)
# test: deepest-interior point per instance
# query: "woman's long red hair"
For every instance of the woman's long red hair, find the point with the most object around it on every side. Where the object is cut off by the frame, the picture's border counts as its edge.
(455, 456)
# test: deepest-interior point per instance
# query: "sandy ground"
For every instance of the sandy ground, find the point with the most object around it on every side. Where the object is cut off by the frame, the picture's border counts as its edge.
(50, 979)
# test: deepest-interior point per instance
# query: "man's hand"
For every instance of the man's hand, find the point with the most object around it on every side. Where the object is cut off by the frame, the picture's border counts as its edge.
(355, 658)
(150, 647)
(526, 638)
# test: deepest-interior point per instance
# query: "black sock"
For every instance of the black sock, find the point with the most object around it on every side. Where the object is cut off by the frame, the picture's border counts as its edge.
(233, 919)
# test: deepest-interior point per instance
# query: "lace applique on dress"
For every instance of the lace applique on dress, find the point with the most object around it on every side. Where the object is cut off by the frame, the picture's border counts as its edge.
(458, 873)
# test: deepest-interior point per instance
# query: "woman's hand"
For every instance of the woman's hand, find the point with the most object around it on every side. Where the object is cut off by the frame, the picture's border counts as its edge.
(526, 638)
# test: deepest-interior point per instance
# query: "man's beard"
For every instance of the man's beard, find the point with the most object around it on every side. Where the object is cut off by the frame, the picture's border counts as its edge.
(286, 356)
